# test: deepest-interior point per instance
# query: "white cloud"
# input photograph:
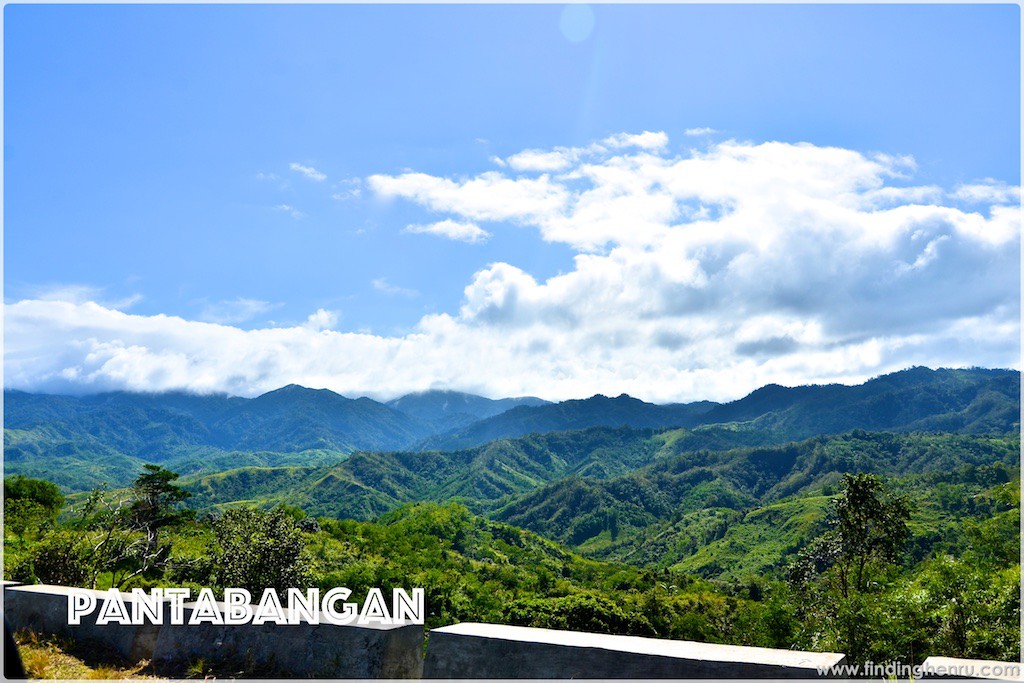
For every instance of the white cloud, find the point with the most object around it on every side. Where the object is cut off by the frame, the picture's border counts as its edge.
(322, 320)
(539, 160)
(699, 131)
(489, 196)
(453, 230)
(290, 210)
(81, 293)
(646, 140)
(308, 171)
(988, 191)
(235, 311)
(697, 276)
(381, 284)
(350, 188)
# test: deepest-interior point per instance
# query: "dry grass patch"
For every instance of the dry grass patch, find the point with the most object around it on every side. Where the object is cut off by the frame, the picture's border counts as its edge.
(51, 657)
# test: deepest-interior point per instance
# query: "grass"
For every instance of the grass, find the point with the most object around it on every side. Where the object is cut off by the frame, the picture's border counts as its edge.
(50, 657)
(47, 657)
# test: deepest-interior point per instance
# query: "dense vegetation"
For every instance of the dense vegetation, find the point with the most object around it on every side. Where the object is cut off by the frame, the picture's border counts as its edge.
(948, 583)
(788, 521)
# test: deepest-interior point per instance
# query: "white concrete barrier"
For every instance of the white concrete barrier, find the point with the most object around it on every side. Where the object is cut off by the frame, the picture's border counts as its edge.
(472, 650)
(44, 609)
(301, 650)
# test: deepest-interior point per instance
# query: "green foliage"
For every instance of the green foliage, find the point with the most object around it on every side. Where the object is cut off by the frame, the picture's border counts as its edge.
(30, 505)
(693, 526)
(38, 491)
(259, 549)
(578, 612)
(741, 544)
(868, 529)
(61, 558)
(853, 597)
(155, 500)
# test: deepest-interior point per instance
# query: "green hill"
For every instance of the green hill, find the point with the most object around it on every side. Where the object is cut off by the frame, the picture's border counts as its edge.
(610, 518)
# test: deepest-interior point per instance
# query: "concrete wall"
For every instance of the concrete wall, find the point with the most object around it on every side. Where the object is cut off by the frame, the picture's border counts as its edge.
(308, 650)
(300, 651)
(45, 609)
(472, 650)
(466, 650)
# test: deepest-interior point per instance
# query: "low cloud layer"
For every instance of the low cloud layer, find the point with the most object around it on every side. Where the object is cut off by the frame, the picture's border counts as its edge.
(701, 275)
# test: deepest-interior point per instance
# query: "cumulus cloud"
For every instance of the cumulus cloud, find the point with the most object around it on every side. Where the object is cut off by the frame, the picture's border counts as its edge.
(646, 140)
(540, 160)
(322, 320)
(308, 171)
(489, 196)
(453, 230)
(702, 275)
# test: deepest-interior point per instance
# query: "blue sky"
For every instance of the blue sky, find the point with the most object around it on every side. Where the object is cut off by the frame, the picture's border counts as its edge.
(216, 164)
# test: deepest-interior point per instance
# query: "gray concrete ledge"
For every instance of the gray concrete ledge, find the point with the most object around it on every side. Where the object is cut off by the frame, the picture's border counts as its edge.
(302, 650)
(44, 609)
(984, 669)
(472, 650)
(294, 651)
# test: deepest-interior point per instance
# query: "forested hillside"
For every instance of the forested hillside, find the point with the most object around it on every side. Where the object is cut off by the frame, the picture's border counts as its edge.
(740, 530)
(86, 441)
(950, 586)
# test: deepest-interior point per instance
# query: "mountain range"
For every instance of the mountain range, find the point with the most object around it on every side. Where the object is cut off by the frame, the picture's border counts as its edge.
(81, 442)
(709, 488)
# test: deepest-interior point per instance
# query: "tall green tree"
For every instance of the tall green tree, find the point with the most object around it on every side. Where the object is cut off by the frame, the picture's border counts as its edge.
(869, 530)
(126, 528)
(837, 577)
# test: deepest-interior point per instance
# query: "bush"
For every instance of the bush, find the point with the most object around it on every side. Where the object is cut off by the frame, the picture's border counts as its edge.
(259, 550)
(61, 558)
(579, 612)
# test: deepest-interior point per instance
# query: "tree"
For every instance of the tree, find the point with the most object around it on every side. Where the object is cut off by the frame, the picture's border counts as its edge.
(126, 527)
(155, 506)
(869, 528)
(836, 575)
(61, 558)
(30, 505)
(259, 549)
(868, 531)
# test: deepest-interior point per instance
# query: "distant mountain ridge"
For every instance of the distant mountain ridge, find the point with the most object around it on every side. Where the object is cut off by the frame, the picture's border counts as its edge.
(289, 419)
(974, 400)
(596, 411)
(84, 441)
(971, 400)
(448, 410)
